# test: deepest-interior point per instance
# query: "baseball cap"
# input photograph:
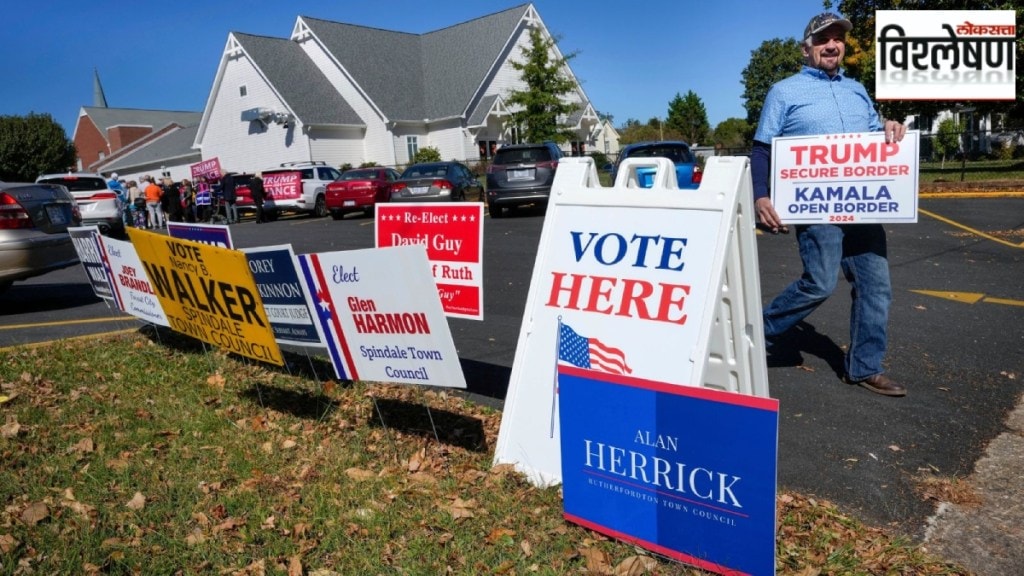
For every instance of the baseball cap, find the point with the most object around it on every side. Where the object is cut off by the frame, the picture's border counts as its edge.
(114, 175)
(824, 20)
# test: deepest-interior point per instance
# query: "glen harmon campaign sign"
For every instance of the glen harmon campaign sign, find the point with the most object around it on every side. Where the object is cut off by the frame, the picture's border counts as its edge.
(283, 294)
(854, 178)
(208, 293)
(945, 54)
(686, 472)
(86, 240)
(132, 290)
(453, 236)
(379, 316)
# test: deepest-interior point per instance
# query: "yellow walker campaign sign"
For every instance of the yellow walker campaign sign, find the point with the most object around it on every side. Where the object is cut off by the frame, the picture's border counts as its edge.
(208, 292)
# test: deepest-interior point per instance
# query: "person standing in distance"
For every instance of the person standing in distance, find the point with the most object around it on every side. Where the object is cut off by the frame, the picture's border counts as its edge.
(820, 99)
(258, 196)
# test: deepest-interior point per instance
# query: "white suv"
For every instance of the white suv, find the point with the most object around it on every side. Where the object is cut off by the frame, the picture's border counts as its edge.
(99, 204)
(283, 193)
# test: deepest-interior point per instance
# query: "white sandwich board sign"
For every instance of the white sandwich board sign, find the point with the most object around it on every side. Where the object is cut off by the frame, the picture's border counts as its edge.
(658, 284)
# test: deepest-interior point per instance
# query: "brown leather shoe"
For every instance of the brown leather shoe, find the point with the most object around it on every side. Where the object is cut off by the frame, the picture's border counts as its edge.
(880, 384)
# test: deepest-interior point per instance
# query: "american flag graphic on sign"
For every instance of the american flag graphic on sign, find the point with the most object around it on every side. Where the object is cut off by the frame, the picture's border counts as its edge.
(590, 352)
(327, 316)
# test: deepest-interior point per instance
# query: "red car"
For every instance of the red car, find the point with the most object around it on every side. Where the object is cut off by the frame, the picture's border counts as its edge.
(359, 189)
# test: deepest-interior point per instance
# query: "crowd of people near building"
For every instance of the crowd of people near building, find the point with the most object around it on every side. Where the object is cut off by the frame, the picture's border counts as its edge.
(150, 204)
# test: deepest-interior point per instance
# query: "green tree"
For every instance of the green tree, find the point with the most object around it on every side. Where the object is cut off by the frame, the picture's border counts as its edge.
(426, 154)
(655, 129)
(861, 14)
(947, 139)
(687, 116)
(733, 133)
(541, 106)
(774, 60)
(33, 145)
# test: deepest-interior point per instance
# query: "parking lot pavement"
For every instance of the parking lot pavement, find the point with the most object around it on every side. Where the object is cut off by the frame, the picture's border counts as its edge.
(962, 363)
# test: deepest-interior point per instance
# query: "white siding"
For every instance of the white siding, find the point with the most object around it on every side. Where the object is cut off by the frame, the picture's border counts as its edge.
(448, 139)
(337, 146)
(243, 146)
(376, 140)
(398, 142)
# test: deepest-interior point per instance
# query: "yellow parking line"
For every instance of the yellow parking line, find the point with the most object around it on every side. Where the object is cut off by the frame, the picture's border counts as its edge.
(68, 322)
(969, 229)
(73, 338)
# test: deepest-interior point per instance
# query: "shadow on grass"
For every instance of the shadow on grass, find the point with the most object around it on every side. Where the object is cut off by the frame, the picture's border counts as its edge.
(413, 418)
(310, 405)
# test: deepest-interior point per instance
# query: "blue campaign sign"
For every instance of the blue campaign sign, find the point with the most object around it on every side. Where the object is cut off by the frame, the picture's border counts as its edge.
(686, 472)
(212, 234)
(283, 295)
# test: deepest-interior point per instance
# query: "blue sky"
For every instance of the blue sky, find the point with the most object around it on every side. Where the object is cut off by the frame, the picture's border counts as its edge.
(633, 57)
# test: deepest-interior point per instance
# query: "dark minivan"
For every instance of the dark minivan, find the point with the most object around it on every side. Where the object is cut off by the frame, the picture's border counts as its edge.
(521, 174)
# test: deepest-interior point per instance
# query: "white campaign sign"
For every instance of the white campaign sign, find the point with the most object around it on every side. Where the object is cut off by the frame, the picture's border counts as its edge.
(380, 317)
(854, 178)
(659, 284)
(131, 284)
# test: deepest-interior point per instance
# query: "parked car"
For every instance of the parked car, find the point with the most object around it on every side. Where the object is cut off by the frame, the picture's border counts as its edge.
(688, 172)
(436, 182)
(294, 186)
(521, 174)
(98, 204)
(360, 189)
(34, 240)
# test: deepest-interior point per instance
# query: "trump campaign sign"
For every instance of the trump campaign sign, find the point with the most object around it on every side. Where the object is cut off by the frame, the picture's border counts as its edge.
(854, 178)
(283, 185)
(453, 236)
(207, 169)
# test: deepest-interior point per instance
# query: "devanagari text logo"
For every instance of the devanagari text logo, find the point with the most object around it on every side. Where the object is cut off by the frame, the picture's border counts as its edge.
(945, 55)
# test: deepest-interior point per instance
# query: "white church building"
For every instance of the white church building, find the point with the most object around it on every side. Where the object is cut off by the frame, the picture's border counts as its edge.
(347, 94)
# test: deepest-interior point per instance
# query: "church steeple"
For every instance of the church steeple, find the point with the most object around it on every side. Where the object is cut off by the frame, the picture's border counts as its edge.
(99, 100)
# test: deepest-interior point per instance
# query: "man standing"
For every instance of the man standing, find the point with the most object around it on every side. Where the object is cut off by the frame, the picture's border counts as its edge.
(227, 187)
(820, 99)
(153, 195)
(258, 194)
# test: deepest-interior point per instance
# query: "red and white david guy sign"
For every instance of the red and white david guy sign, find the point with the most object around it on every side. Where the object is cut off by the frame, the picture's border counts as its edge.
(453, 236)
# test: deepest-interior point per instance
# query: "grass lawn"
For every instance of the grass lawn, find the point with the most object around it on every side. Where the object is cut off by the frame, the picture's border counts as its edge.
(147, 454)
(972, 171)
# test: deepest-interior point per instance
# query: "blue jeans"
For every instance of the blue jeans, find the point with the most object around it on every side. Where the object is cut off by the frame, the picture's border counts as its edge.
(860, 251)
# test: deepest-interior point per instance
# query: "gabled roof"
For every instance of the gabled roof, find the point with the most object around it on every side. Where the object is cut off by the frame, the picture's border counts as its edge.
(297, 80)
(173, 146)
(414, 77)
(488, 105)
(106, 118)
